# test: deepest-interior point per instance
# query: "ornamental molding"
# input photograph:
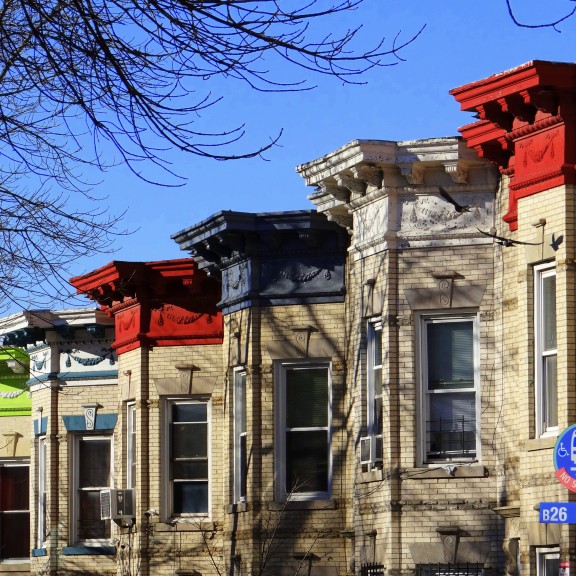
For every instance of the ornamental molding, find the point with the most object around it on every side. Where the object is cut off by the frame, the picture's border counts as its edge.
(345, 181)
(526, 118)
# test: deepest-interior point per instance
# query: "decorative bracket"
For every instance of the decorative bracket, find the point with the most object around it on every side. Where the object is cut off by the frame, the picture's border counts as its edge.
(90, 415)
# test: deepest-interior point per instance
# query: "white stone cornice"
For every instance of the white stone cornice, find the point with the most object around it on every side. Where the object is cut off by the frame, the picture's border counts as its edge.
(339, 191)
(414, 173)
(458, 171)
(341, 217)
(371, 175)
(355, 185)
(352, 154)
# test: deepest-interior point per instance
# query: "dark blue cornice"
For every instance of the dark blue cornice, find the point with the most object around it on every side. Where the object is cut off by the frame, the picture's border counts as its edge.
(270, 259)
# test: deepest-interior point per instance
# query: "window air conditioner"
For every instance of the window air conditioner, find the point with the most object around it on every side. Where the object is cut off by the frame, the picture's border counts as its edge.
(370, 450)
(117, 504)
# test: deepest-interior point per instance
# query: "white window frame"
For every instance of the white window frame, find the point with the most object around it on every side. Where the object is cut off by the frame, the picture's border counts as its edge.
(240, 436)
(131, 456)
(543, 554)
(546, 423)
(283, 493)
(371, 444)
(425, 394)
(41, 492)
(75, 480)
(168, 481)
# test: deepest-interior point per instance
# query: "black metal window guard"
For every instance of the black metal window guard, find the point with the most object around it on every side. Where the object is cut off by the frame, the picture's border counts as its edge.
(458, 569)
(372, 569)
(451, 438)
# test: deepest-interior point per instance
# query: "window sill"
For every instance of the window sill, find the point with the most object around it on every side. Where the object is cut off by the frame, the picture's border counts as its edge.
(15, 566)
(450, 471)
(186, 525)
(303, 505)
(236, 508)
(36, 552)
(89, 550)
(375, 475)
(543, 443)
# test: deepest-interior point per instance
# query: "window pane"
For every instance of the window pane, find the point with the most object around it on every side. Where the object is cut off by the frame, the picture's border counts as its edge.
(307, 461)
(190, 440)
(94, 465)
(190, 469)
(190, 497)
(194, 412)
(450, 352)
(90, 526)
(451, 430)
(240, 402)
(15, 530)
(456, 407)
(306, 397)
(549, 311)
(377, 335)
(378, 415)
(551, 396)
(551, 566)
(14, 487)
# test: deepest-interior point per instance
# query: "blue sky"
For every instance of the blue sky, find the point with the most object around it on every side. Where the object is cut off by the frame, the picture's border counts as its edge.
(462, 42)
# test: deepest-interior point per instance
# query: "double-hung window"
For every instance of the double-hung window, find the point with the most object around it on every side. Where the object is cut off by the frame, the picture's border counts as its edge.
(450, 373)
(92, 466)
(545, 348)
(240, 436)
(41, 493)
(131, 445)
(371, 444)
(303, 434)
(189, 457)
(14, 511)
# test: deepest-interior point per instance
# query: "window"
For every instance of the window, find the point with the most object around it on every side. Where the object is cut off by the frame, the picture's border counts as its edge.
(371, 444)
(14, 511)
(303, 438)
(189, 460)
(450, 374)
(92, 472)
(41, 494)
(131, 446)
(545, 348)
(548, 561)
(240, 448)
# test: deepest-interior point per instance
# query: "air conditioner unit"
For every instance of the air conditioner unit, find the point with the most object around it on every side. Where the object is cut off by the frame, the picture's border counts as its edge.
(370, 450)
(117, 504)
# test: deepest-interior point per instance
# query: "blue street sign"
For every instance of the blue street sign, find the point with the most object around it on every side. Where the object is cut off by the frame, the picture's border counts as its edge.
(558, 512)
(565, 458)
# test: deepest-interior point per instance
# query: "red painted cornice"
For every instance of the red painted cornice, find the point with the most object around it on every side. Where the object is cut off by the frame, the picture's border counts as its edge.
(165, 303)
(526, 126)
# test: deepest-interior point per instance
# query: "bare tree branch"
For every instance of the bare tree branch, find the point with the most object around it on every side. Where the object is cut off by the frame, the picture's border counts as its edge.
(552, 24)
(77, 76)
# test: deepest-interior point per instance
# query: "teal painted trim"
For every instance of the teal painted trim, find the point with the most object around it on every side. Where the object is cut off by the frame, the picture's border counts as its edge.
(72, 376)
(43, 426)
(85, 375)
(78, 423)
(89, 550)
(36, 552)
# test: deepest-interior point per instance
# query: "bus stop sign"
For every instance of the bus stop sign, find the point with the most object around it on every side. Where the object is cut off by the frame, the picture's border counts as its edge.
(565, 458)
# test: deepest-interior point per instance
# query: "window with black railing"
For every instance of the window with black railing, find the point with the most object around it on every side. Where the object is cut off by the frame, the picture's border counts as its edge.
(372, 569)
(451, 438)
(450, 368)
(458, 569)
